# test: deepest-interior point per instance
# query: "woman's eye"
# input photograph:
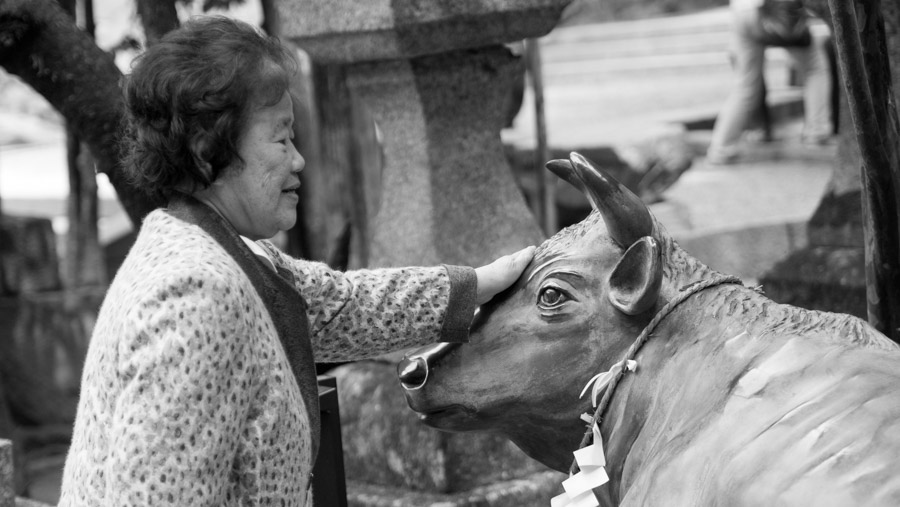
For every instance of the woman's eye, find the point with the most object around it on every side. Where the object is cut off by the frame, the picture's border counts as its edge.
(551, 296)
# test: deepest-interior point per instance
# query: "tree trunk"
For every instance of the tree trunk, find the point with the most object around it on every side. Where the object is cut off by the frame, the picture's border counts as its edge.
(41, 44)
(866, 36)
(862, 52)
(158, 17)
(83, 262)
(271, 23)
(325, 190)
(341, 192)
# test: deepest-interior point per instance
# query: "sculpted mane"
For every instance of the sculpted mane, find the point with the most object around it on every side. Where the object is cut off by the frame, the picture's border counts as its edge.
(768, 317)
(563, 240)
(681, 268)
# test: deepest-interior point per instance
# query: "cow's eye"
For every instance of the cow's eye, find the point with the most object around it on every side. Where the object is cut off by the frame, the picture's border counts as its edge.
(551, 297)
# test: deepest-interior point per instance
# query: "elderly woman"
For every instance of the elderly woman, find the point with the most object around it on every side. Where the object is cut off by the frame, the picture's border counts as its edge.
(199, 385)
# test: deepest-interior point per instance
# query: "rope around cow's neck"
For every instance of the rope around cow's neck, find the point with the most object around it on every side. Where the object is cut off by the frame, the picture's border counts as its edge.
(682, 296)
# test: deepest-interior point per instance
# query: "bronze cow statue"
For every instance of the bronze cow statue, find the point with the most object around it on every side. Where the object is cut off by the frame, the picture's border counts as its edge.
(736, 400)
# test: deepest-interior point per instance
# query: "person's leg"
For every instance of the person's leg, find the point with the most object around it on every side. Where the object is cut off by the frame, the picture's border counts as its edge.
(814, 65)
(745, 93)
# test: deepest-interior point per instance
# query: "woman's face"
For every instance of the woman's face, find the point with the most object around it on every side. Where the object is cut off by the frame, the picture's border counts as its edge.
(260, 198)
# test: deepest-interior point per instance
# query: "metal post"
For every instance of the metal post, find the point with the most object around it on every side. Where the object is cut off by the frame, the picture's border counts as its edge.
(545, 180)
(329, 481)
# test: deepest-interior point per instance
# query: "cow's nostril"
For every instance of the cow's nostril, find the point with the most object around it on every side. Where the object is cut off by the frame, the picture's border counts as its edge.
(412, 372)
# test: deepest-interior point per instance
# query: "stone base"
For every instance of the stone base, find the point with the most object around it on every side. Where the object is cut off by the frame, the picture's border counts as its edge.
(838, 221)
(827, 278)
(536, 489)
(27, 502)
(28, 258)
(830, 273)
(44, 337)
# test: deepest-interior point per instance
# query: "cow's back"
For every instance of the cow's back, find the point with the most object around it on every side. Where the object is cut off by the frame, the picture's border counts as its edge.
(813, 419)
(834, 441)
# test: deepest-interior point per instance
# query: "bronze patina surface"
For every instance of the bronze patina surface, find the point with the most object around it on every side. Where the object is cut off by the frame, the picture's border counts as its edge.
(736, 400)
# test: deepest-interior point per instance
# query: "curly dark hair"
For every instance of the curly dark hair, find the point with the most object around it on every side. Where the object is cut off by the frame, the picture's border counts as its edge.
(188, 98)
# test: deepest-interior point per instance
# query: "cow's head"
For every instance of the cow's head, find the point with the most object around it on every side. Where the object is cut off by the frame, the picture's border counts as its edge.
(578, 306)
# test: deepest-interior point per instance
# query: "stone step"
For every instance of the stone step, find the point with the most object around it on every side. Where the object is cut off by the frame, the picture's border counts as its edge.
(656, 67)
(650, 49)
(671, 46)
(712, 20)
(686, 42)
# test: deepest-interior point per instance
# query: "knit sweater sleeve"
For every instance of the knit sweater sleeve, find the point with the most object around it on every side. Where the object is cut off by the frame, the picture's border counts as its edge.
(172, 439)
(358, 314)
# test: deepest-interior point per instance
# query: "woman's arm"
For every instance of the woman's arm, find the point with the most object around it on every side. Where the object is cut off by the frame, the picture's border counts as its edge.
(363, 313)
(359, 314)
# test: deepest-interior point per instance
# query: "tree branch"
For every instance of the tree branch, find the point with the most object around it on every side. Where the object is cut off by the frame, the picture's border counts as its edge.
(40, 43)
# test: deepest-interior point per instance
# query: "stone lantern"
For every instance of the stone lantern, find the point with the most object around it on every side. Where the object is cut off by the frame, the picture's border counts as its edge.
(435, 76)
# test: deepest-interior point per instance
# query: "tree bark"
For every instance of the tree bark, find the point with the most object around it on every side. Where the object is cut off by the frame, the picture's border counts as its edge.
(83, 262)
(40, 43)
(861, 40)
(271, 23)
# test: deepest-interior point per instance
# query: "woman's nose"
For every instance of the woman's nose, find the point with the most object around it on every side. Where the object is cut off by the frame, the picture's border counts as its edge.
(297, 162)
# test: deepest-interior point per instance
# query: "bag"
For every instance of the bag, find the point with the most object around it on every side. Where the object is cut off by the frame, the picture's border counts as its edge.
(783, 23)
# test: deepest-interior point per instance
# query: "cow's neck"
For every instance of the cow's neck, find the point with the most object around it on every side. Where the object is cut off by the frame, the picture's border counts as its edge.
(680, 371)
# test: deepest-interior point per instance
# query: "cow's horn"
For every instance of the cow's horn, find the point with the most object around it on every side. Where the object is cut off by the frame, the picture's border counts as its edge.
(627, 217)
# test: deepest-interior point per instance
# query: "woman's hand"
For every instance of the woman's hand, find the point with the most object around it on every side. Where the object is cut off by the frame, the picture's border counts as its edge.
(500, 274)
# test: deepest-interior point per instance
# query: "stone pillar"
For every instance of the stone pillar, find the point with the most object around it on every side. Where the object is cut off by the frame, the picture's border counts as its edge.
(448, 194)
(434, 76)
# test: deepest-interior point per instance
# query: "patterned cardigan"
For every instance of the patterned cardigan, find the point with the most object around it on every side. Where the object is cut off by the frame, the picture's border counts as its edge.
(187, 396)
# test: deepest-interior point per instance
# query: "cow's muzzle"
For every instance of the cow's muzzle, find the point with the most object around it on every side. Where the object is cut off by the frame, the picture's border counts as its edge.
(414, 369)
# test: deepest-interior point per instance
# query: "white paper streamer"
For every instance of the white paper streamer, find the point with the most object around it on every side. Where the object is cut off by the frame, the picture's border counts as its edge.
(586, 499)
(591, 456)
(601, 380)
(579, 487)
(585, 480)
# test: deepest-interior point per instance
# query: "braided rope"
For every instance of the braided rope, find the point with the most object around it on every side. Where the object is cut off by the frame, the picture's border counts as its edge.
(688, 291)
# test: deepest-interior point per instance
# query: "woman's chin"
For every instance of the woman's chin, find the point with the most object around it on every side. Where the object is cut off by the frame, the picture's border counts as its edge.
(287, 221)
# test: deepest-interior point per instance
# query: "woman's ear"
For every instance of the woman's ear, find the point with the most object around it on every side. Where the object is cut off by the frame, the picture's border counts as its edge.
(199, 148)
(635, 281)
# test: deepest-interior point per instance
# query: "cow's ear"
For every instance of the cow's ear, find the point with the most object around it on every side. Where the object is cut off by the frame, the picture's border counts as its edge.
(635, 281)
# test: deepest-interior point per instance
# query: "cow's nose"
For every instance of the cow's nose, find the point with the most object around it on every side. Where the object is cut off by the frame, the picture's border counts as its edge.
(413, 369)
(413, 372)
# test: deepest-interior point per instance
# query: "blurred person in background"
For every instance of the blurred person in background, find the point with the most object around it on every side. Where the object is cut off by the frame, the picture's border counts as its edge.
(756, 25)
